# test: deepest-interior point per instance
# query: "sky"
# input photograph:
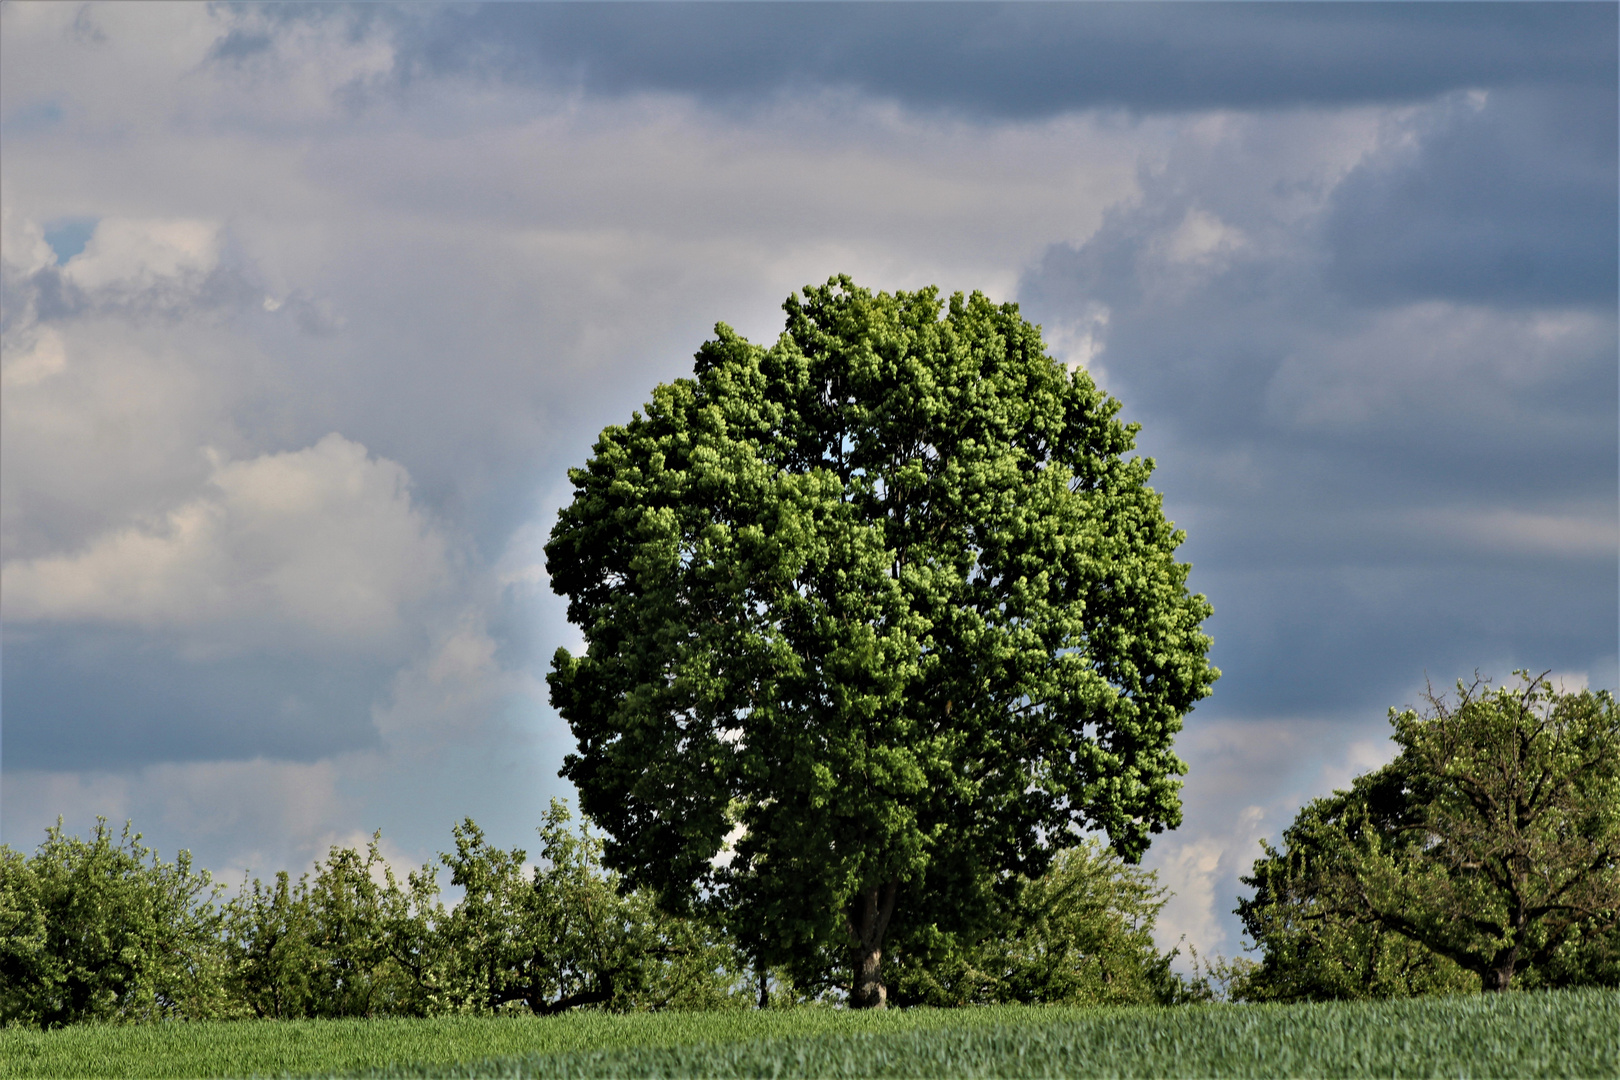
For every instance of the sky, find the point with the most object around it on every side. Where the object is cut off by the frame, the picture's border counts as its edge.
(307, 309)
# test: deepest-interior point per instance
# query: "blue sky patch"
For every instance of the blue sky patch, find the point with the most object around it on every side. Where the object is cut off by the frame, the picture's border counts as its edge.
(68, 236)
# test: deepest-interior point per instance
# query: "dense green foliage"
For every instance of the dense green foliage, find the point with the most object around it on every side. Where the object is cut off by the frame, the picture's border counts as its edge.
(1313, 949)
(352, 942)
(886, 604)
(568, 937)
(1563, 1033)
(1082, 934)
(1487, 853)
(103, 931)
(100, 929)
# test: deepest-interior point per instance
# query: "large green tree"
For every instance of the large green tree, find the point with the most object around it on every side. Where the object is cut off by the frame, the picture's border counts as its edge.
(888, 607)
(1490, 846)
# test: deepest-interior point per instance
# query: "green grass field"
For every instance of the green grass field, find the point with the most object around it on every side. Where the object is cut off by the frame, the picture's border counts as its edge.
(1552, 1034)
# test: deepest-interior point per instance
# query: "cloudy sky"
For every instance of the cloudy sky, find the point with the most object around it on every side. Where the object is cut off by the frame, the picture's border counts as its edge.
(308, 308)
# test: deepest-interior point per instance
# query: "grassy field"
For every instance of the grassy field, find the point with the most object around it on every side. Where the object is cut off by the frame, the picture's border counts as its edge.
(1555, 1034)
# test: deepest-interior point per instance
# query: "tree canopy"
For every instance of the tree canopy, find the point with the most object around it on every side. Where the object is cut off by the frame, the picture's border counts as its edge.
(1489, 850)
(877, 620)
(1316, 949)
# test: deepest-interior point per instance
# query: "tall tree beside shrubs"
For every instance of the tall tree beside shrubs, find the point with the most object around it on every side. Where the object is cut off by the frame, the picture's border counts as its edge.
(1488, 851)
(890, 603)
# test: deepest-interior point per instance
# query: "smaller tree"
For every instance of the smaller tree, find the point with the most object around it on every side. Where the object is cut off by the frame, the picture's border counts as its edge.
(1492, 841)
(26, 967)
(1081, 934)
(549, 942)
(351, 942)
(565, 936)
(350, 909)
(102, 929)
(271, 934)
(1316, 949)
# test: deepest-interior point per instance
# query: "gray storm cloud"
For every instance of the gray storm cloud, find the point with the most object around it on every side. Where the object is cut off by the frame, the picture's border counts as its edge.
(1377, 367)
(1391, 460)
(1003, 61)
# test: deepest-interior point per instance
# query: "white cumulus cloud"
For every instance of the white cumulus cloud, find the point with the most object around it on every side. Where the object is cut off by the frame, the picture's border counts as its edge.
(127, 255)
(324, 540)
(35, 358)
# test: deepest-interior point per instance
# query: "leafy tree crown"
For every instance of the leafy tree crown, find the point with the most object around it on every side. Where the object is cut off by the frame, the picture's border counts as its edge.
(885, 602)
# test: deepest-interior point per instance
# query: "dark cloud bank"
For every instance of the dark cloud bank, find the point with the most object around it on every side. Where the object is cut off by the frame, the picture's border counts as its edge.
(1392, 423)
(1021, 60)
(118, 699)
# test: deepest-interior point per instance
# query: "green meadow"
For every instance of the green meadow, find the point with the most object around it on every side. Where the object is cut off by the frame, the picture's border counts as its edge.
(1561, 1033)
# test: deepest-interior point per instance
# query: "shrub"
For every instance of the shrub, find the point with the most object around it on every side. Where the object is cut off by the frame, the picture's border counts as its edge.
(101, 929)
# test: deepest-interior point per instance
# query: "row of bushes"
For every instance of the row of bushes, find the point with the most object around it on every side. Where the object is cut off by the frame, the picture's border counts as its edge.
(101, 929)
(1486, 855)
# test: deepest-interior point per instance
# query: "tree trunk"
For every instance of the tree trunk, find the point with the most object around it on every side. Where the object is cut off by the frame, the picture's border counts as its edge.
(541, 1007)
(1499, 974)
(867, 918)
